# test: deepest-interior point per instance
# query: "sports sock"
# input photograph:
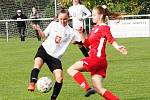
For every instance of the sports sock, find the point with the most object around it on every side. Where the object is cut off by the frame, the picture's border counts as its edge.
(34, 75)
(84, 51)
(80, 79)
(109, 96)
(56, 90)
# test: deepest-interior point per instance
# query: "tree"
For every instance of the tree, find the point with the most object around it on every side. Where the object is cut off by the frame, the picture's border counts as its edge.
(123, 6)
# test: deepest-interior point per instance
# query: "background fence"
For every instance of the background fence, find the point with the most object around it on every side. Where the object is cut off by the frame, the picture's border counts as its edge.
(8, 9)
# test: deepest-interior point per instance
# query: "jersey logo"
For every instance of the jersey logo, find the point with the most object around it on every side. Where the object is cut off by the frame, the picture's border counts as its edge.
(58, 39)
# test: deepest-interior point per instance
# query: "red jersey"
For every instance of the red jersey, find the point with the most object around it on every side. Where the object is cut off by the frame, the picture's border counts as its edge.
(96, 41)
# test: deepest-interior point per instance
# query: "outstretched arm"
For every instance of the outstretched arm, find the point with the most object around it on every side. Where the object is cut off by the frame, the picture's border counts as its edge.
(120, 48)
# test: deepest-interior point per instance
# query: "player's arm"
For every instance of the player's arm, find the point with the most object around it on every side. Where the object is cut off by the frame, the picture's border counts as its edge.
(120, 48)
(40, 32)
(80, 30)
(112, 41)
(84, 39)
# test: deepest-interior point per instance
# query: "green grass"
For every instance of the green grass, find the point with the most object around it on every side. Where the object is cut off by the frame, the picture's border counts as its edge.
(127, 76)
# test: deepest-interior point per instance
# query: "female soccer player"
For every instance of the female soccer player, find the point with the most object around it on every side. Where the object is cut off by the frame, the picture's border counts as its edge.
(58, 36)
(79, 12)
(96, 63)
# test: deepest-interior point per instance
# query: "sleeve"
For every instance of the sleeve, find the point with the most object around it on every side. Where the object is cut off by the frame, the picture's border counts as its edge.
(86, 12)
(49, 27)
(108, 35)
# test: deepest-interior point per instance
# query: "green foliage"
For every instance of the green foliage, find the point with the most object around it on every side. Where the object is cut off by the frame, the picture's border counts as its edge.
(123, 6)
(49, 10)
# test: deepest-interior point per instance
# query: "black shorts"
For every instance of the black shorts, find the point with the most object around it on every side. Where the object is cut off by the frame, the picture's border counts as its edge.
(53, 63)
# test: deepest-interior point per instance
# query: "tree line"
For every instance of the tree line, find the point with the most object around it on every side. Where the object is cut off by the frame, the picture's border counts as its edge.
(124, 6)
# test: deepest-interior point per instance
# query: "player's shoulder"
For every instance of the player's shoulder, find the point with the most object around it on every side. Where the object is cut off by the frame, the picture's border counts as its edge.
(70, 28)
(83, 6)
(54, 23)
(104, 27)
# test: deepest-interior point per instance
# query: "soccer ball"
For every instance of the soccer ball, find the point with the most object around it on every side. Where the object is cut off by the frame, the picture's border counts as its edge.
(44, 84)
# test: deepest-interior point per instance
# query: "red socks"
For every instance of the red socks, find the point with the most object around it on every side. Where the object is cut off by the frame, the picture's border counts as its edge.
(80, 79)
(109, 96)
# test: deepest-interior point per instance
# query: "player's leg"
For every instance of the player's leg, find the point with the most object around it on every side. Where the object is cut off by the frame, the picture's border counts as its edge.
(58, 73)
(97, 83)
(55, 67)
(38, 62)
(74, 71)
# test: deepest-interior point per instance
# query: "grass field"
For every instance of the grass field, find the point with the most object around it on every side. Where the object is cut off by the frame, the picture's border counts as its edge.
(127, 76)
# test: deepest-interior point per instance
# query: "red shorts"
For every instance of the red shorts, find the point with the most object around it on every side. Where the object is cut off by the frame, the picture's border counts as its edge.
(95, 66)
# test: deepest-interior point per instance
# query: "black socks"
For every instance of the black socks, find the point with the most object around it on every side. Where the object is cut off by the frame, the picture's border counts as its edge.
(34, 75)
(56, 90)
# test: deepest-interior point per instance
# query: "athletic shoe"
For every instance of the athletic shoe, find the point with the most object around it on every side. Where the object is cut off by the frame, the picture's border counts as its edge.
(89, 92)
(31, 87)
(53, 98)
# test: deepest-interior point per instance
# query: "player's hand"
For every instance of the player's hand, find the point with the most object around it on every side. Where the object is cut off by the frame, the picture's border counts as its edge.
(36, 27)
(123, 50)
(80, 19)
(80, 30)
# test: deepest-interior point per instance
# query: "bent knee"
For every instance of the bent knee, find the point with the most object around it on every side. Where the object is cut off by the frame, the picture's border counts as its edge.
(72, 71)
(69, 70)
(59, 79)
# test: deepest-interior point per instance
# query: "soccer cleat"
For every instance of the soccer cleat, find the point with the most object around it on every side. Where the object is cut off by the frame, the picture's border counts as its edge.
(53, 98)
(31, 87)
(89, 92)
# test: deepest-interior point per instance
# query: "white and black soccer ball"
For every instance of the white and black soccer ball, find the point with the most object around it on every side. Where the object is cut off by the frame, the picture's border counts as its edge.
(44, 84)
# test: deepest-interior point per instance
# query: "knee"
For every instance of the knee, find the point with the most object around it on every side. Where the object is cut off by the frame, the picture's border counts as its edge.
(69, 71)
(59, 79)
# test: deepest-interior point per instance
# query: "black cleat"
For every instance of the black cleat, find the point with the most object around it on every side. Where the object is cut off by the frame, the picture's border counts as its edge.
(89, 92)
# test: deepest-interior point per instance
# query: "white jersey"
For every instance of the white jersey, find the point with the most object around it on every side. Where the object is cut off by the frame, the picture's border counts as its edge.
(77, 12)
(58, 39)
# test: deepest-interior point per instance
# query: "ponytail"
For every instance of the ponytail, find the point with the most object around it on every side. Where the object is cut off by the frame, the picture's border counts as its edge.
(104, 10)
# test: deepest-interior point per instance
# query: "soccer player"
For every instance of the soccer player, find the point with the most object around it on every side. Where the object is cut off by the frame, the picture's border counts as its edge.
(79, 12)
(96, 63)
(58, 36)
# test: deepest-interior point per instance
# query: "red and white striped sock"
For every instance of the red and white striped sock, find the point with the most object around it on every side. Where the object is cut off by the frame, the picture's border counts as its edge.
(80, 79)
(109, 96)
